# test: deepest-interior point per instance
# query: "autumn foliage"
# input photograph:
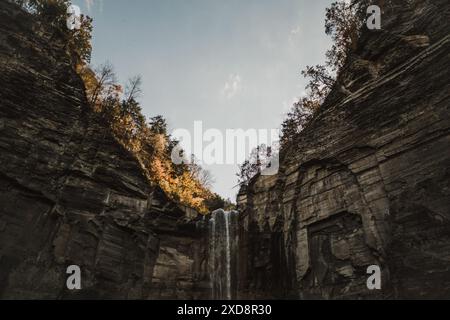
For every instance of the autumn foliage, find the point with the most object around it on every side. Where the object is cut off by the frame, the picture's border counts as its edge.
(148, 141)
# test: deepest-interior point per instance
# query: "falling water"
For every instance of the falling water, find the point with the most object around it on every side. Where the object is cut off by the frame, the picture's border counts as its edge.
(228, 253)
(223, 240)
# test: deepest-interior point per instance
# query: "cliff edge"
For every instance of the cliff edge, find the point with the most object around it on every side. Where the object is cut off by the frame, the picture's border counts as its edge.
(368, 180)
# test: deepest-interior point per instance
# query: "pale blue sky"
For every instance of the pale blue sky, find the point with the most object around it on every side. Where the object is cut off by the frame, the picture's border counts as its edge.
(230, 63)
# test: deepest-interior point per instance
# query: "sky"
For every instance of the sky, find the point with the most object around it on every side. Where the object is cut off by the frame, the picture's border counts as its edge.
(228, 63)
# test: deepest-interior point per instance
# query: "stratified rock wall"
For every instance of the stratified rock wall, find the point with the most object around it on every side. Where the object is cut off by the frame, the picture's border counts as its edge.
(70, 194)
(368, 181)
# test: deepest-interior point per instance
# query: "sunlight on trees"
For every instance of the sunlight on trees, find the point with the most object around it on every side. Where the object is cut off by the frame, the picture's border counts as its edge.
(148, 141)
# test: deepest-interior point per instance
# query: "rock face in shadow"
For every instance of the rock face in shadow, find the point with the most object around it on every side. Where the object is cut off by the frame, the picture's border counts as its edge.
(71, 195)
(368, 181)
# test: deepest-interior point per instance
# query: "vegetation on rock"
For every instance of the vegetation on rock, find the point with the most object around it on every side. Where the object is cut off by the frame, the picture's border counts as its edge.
(148, 141)
(343, 21)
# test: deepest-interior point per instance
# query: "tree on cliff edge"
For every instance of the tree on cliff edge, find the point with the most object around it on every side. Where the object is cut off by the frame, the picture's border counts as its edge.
(54, 13)
(343, 21)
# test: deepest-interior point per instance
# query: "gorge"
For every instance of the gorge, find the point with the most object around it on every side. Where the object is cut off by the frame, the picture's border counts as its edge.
(366, 183)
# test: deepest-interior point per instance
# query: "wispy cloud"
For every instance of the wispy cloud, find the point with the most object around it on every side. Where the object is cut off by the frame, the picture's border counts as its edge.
(233, 86)
(296, 30)
(90, 4)
(294, 33)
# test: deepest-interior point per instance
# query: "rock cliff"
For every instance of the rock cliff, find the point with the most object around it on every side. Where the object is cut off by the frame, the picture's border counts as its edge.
(70, 194)
(368, 181)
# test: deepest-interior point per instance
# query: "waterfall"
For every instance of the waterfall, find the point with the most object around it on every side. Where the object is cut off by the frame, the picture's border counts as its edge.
(223, 244)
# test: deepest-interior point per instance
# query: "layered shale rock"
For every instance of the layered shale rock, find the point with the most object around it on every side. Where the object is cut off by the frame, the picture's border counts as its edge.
(368, 181)
(71, 195)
